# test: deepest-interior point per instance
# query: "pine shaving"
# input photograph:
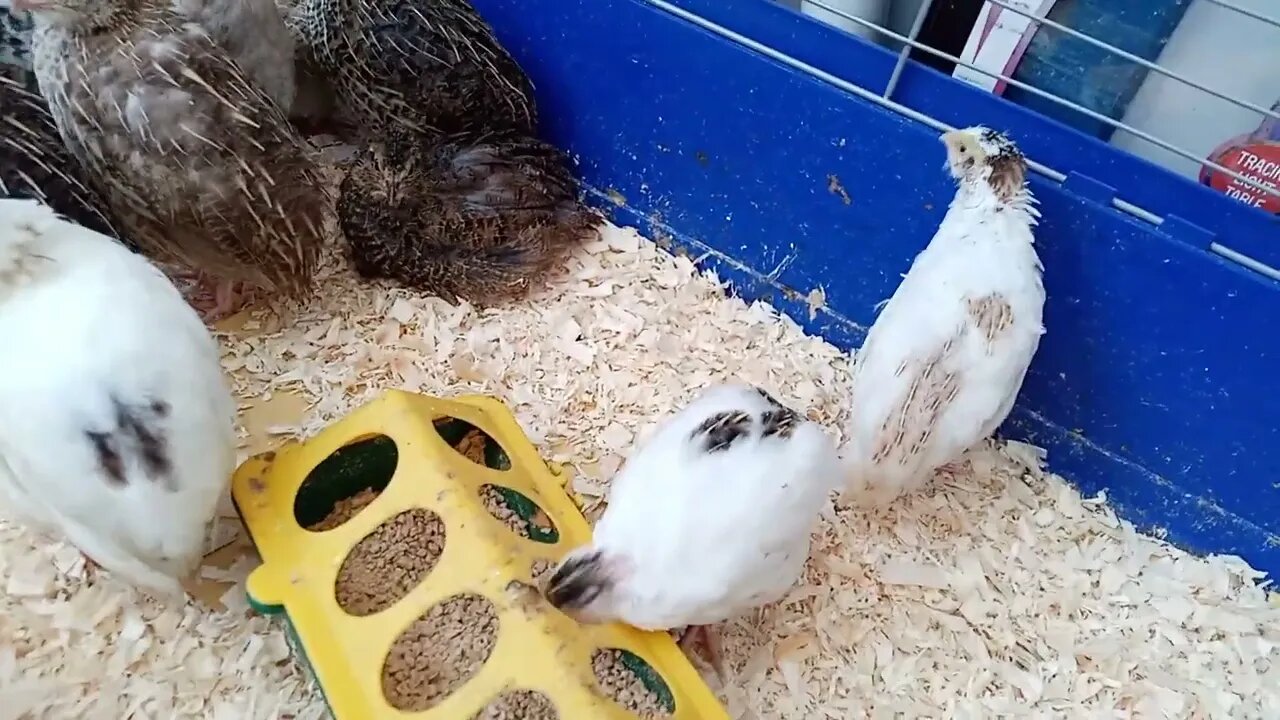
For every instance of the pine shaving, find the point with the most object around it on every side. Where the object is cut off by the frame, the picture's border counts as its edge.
(1001, 592)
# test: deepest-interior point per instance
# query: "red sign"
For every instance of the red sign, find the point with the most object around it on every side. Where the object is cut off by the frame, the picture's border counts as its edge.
(1258, 161)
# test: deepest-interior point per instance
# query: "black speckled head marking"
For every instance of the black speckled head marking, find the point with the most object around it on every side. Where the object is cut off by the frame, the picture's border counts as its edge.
(720, 431)
(1008, 164)
(997, 144)
(767, 397)
(109, 459)
(781, 422)
(138, 431)
(577, 582)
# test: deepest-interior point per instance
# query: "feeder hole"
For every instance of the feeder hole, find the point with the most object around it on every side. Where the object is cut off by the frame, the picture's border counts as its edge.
(519, 513)
(630, 681)
(519, 705)
(344, 483)
(390, 562)
(439, 652)
(473, 443)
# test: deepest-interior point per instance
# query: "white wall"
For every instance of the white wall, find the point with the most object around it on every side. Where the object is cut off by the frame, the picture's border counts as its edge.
(871, 10)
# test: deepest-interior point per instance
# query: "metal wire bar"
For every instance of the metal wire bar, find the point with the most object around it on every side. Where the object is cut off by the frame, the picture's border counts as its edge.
(906, 49)
(1056, 176)
(1117, 124)
(1246, 12)
(1136, 59)
(849, 87)
(1245, 260)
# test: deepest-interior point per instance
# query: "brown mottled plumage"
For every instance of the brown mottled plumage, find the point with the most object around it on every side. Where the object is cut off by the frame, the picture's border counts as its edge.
(431, 65)
(201, 167)
(254, 34)
(476, 216)
(35, 164)
(453, 194)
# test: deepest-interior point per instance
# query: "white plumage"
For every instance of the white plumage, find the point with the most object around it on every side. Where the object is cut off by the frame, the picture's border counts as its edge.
(944, 361)
(709, 518)
(116, 424)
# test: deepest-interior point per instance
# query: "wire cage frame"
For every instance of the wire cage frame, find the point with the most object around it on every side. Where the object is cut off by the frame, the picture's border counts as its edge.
(885, 97)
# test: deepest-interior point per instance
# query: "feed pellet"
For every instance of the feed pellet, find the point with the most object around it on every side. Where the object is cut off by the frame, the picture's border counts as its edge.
(519, 705)
(439, 652)
(619, 684)
(390, 562)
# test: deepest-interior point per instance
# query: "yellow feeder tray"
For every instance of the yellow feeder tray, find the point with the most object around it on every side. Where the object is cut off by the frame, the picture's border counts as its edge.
(402, 446)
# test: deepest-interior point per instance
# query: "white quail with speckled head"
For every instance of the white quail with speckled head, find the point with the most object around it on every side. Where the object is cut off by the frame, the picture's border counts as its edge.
(943, 362)
(710, 518)
(116, 424)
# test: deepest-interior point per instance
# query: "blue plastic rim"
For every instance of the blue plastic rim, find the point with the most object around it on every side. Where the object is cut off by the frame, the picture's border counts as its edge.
(1157, 378)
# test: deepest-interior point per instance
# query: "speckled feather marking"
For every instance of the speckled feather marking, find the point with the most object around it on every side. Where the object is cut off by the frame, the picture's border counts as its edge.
(35, 163)
(781, 421)
(992, 315)
(429, 65)
(1003, 145)
(907, 430)
(480, 216)
(767, 396)
(199, 164)
(1008, 165)
(722, 430)
(137, 432)
(577, 582)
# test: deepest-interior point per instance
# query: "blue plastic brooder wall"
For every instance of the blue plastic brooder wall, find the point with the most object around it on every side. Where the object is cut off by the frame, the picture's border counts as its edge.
(1157, 379)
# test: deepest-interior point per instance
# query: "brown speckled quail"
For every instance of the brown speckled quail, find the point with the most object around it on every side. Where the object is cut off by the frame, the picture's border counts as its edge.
(200, 165)
(432, 65)
(478, 216)
(453, 193)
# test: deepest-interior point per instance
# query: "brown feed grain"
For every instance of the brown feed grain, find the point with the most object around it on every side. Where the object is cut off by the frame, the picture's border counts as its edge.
(519, 705)
(344, 510)
(439, 652)
(619, 684)
(390, 562)
(497, 506)
(472, 444)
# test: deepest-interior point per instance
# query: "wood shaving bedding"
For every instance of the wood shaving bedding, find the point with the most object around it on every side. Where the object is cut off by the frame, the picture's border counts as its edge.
(999, 593)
